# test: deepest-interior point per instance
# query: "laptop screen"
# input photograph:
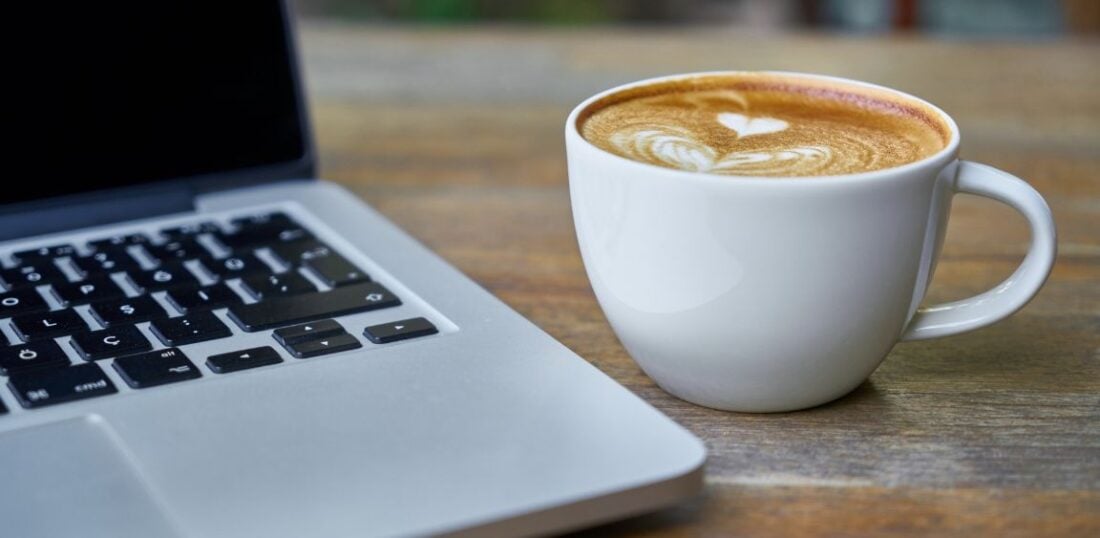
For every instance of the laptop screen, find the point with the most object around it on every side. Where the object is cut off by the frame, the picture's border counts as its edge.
(111, 94)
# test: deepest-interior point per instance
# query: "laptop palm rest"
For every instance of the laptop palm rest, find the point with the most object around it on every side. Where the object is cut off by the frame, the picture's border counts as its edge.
(74, 478)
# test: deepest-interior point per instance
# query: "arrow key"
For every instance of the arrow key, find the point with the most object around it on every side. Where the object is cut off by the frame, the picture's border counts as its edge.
(308, 331)
(399, 330)
(243, 359)
(324, 346)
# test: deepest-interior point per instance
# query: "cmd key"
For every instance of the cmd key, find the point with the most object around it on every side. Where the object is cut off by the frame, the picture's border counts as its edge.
(279, 311)
(39, 388)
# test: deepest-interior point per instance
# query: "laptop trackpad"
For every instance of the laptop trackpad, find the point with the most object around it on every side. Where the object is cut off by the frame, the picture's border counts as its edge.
(73, 478)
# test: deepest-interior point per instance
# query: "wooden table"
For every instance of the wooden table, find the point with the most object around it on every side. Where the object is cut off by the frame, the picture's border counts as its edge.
(457, 136)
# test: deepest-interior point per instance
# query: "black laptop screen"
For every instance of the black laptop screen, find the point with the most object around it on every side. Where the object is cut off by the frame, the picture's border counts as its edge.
(110, 94)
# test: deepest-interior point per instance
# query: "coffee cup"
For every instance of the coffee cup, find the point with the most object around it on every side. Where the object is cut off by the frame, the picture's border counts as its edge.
(746, 272)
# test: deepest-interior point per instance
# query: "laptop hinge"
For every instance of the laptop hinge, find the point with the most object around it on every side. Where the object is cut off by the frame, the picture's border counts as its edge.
(86, 210)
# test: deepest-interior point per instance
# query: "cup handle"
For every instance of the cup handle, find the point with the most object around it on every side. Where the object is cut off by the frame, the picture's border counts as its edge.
(1012, 294)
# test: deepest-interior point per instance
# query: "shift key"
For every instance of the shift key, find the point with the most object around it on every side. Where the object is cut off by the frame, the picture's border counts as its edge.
(288, 310)
(40, 388)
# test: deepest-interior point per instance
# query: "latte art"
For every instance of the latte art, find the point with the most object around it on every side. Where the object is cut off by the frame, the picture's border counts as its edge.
(676, 148)
(756, 125)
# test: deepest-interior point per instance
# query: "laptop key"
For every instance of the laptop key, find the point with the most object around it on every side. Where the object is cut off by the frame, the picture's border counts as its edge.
(24, 301)
(289, 310)
(163, 277)
(117, 242)
(105, 262)
(237, 265)
(127, 311)
(189, 230)
(324, 346)
(155, 368)
(399, 330)
(335, 271)
(32, 356)
(39, 388)
(273, 218)
(296, 252)
(266, 286)
(243, 360)
(188, 329)
(36, 254)
(48, 324)
(34, 274)
(112, 342)
(184, 248)
(202, 298)
(100, 288)
(308, 331)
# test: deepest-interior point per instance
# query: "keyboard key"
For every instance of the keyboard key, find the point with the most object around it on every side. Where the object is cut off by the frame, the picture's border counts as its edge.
(273, 218)
(112, 342)
(163, 277)
(127, 311)
(24, 301)
(117, 242)
(399, 330)
(100, 288)
(267, 286)
(35, 274)
(185, 248)
(154, 368)
(31, 356)
(105, 262)
(308, 331)
(243, 360)
(251, 234)
(48, 324)
(237, 266)
(296, 252)
(205, 298)
(188, 230)
(39, 388)
(195, 327)
(324, 346)
(279, 311)
(36, 254)
(335, 271)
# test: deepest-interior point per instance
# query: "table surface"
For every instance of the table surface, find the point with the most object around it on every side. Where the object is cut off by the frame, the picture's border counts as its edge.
(456, 135)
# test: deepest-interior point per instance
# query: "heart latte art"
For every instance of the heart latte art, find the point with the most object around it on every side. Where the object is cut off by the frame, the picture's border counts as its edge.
(761, 125)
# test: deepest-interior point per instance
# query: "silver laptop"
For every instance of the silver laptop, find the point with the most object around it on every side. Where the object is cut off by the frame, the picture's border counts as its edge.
(203, 340)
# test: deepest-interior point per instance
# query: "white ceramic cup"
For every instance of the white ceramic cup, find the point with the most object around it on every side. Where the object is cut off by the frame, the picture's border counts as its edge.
(775, 294)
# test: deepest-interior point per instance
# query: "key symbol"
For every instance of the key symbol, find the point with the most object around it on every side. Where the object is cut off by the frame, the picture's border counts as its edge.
(27, 354)
(87, 288)
(398, 327)
(48, 323)
(127, 309)
(111, 340)
(234, 264)
(162, 276)
(374, 297)
(10, 301)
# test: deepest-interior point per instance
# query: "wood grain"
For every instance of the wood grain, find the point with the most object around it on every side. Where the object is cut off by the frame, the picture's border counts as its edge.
(456, 136)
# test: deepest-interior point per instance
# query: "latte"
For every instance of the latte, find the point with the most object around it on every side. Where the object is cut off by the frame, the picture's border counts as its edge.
(763, 124)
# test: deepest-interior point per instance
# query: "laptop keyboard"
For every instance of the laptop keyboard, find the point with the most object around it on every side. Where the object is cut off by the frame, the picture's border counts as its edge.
(284, 280)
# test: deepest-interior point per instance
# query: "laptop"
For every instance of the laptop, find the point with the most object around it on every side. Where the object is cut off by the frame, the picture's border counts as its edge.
(201, 339)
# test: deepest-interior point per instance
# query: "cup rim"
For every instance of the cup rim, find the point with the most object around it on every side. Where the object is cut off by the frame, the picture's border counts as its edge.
(950, 149)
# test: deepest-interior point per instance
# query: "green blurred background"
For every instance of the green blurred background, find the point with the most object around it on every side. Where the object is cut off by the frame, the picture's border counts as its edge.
(993, 18)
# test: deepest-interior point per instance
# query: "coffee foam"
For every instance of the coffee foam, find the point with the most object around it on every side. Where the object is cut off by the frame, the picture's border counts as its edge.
(763, 125)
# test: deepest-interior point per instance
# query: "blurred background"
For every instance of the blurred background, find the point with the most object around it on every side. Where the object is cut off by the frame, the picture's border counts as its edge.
(946, 17)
